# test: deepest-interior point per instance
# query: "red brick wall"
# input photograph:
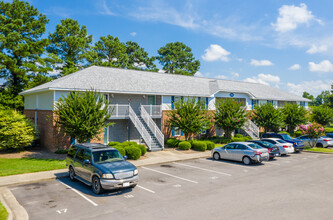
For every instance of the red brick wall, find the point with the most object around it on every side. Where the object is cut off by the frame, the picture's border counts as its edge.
(51, 136)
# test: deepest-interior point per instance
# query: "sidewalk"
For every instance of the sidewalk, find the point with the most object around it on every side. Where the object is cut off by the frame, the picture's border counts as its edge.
(165, 156)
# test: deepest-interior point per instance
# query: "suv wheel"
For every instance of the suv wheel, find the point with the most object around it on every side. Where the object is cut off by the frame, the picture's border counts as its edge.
(246, 160)
(96, 185)
(71, 173)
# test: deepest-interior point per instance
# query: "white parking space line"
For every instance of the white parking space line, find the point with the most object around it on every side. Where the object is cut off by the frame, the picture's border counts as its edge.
(80, 194)
(141, 187)
(167, 174)
(273, 163)
(199, 168)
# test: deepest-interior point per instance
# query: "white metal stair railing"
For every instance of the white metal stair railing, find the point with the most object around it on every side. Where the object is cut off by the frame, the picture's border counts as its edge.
(152, 125)
(251, 129)
(153, 110)
(140, 127)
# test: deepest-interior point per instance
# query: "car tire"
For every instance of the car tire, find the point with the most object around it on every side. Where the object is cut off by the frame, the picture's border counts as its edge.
(216, 156)
(71, 173)
(246, 160)
(319, 145)
(96, 185)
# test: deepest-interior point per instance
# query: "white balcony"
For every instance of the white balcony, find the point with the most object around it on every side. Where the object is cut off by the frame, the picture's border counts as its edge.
(122, 111)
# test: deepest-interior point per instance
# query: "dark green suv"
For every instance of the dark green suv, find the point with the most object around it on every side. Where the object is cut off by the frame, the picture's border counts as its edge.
(101, 167)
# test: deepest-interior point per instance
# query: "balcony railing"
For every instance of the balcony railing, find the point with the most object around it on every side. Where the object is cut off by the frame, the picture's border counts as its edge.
(119, 111)
(154, 111)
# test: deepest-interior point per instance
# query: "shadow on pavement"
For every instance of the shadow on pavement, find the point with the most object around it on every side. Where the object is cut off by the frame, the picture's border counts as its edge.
(240, 164)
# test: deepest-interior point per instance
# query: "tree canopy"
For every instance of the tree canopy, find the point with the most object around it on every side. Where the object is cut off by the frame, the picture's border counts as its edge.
(293, 115)
(229, 115)
(82, 114)
(21, 44)
(138, 58)
(177, 58)
(268, 117)
(322, 115)
(189, 116)
(69, 42)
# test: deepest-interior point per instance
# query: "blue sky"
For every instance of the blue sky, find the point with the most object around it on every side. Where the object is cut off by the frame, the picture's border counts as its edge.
(286, 44)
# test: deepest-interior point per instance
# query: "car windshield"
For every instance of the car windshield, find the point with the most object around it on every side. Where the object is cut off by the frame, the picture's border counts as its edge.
(281, 141)
(286, 137)
(107, 156)
(254, 146)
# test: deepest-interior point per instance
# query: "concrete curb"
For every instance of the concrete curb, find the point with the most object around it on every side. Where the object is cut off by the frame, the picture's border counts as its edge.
(13, 207)
(314, 152)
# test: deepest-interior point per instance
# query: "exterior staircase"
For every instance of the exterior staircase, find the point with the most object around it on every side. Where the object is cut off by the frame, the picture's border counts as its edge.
(147, 128)
(251, 129)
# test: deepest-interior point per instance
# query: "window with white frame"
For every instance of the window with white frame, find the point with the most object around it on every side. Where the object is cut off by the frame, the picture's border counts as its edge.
(302, 104)
(177, 132)
(254, 103)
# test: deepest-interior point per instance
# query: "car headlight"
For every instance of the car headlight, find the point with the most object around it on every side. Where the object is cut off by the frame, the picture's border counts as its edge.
(135, 172)
(107, 176)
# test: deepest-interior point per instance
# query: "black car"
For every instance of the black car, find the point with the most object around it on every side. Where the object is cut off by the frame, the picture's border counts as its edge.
(297, 144)
(101, 167)
(272, 149)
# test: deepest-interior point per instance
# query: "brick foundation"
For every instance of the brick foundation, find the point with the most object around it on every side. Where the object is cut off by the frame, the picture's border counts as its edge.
(51, 136)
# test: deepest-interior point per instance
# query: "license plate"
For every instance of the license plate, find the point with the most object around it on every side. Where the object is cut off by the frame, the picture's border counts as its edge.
(276, 155)
(126, 184)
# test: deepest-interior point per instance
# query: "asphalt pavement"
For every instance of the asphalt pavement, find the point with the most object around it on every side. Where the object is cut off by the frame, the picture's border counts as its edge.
(298, 186)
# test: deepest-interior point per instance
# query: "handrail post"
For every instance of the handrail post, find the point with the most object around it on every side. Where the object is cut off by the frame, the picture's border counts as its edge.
(116, 110)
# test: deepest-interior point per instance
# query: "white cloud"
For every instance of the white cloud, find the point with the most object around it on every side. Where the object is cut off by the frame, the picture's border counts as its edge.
(106, 10)
(317, 49)
(261, 62)
(221, 77)
(290, 16)
(199, 74)
(323, 66)
(161, 71)
(266, 79)
(235, 75)
(133, 34)
(312, 87)
(216, 52)
(294, 67)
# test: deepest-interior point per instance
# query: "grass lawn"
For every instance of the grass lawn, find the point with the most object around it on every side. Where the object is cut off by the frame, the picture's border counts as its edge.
(3, 212)
(320, 149)
(9, 166)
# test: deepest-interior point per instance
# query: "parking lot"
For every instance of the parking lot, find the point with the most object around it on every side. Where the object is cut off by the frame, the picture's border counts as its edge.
(298, 186)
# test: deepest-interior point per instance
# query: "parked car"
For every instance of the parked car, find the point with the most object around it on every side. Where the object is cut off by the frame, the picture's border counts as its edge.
(272, 149)
(284, 147)
(101, 167)
(321, 142)
(297, 144)
(246, 152)
(330, 135)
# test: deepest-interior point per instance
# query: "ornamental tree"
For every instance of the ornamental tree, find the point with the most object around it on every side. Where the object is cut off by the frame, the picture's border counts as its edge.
(82, 115)
(314, 132)
(16, 131)
(189, 116)
(293, 115)
(268, 117)
(229, 115)
(322, 115)
(177, 58)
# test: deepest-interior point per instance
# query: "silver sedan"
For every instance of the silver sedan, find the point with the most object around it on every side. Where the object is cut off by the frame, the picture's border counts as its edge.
(246, 152)
(321, 142)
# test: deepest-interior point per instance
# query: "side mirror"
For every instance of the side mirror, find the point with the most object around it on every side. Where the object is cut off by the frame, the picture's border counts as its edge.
(125, 157)
(87, 161)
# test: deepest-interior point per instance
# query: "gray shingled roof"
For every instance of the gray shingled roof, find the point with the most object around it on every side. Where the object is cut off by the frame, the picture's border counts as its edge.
(106, 79)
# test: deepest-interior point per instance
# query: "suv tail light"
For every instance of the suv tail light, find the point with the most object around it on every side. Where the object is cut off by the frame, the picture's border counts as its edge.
(257, 152)
(285, 146)
(269, 149)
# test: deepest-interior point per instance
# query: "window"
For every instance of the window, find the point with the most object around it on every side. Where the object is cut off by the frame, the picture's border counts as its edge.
(302, 104)
(175, 99)
(254, 103)
(72, 151)
(241, 147)
(79, 155)
(270, 101)
(87, 155)
(177, 132)
(230, 147)
(106, 96)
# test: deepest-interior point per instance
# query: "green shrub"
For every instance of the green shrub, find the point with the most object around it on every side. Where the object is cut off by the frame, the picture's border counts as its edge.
(121, 149)
(172, 142)
(199, 146)
(210, 145)
(132, 152)
(298, 133)
(247, 138)
(142, 148)
(130, 143)
(238, 136)
(184, 145)
(328, 130)
(61, 152)
(235, 139)
(16, 131)
(113, 143)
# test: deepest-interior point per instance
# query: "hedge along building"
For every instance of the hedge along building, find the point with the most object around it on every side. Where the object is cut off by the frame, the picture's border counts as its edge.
(140, 101)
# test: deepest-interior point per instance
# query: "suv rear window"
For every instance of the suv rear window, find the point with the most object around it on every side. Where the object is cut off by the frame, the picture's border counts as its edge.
(72, 152)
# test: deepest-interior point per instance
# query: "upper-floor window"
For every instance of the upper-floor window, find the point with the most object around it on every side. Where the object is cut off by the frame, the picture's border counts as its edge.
(270, 101)
(302, 104)
(254, 103)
